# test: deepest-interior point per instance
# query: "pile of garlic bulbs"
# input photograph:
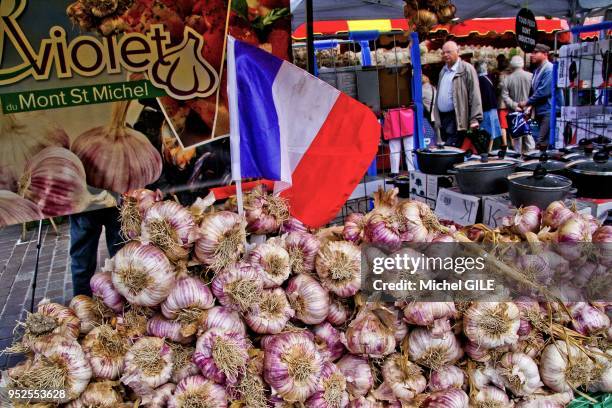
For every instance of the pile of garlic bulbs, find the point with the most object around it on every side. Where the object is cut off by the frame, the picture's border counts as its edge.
(185, 316)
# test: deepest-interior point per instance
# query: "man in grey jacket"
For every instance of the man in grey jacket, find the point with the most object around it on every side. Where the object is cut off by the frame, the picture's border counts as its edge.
(458, 105)
(514, 89)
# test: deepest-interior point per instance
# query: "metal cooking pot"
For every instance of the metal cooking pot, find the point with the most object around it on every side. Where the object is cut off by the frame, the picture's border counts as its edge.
(537, 188)
(586, 153)
(551, 166)
(403, 185)
(593, 176)
(439, 160)
(551, 154)
(483, 178)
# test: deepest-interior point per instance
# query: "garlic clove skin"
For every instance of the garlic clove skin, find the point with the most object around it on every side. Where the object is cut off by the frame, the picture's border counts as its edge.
(89, 312)
(170, 227)
(445, 377)
(519, 373)
(330, 340)
(100, 394)
(426, 313)
(273, 262)
(358, 374)
(559, 400)
(339, 312)
(15, 209)
(369, 335)
(220, 244)
(450, 398)
(363, 402)
(157, 356)
(564, 366)
(302, 248)
(23, 136)
(142, 274)
(54, 179)
(292, 366)
(403, 377)
(182, 362)
(195, 390)
(64, 363)
(115, 157)
(221, 356)
(224, 318)
(160, 396)
(239, 287)
(308, 298)
(272, 314)
(338, 265)
(353, 227)
(187, 301)
(159, 326)
(105, 349)
(102, 288)
(492, 396)
(431, 351)
(587, 319)
(332, 389)
(602, 381)
(492, 324)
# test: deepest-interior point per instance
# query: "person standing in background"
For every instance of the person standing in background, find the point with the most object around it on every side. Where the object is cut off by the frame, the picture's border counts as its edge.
(490, 121)
(515, 88)
(398, 130)
(503, 70)
(457, 105)
(429, 96)
(85, 231)
(541, 95)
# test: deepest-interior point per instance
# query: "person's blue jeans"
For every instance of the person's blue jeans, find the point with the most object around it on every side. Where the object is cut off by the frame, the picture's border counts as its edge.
(85, 231)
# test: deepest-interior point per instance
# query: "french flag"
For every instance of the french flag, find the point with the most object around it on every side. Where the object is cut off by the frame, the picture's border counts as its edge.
(289, 126)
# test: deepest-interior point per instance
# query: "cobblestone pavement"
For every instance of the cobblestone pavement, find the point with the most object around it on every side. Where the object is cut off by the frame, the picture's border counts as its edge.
(17, 262)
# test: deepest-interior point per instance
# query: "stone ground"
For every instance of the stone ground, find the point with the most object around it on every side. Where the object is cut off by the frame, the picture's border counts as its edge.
(17, 262)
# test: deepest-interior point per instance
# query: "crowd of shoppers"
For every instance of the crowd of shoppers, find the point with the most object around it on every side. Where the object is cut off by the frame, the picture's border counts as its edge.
(469, 98)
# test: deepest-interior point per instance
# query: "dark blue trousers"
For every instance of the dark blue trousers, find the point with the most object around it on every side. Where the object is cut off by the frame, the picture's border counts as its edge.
(85, 231)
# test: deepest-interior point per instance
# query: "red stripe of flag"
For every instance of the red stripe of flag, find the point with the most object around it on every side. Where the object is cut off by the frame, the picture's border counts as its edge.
(334, 163)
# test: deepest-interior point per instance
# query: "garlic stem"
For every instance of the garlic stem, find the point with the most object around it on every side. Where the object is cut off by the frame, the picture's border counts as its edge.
(118, 117)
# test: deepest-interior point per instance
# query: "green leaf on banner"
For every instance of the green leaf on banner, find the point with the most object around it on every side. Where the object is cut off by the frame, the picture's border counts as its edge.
(260, 23)
(241, 8)
(603, 401)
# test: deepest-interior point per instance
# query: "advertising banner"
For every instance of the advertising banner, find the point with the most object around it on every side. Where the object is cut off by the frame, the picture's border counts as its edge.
(106, 96)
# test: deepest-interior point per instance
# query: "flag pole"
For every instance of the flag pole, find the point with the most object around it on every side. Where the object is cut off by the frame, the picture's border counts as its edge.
(239, 197)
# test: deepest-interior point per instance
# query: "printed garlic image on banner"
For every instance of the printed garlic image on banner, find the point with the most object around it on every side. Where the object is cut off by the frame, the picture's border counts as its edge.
(182, 72)
(106, 97)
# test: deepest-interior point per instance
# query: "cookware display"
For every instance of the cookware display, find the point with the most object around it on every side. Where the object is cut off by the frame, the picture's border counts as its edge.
(440, 159)
(483, 178)
(551, 166)
(537, 188)
(592, 176)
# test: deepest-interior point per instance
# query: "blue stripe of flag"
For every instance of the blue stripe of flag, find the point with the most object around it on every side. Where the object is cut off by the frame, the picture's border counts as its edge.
(260, 150)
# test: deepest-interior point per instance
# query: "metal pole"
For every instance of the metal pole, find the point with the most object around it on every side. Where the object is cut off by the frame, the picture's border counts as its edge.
(417, 90)
(310, 51)
(552, 135)
(38, 247)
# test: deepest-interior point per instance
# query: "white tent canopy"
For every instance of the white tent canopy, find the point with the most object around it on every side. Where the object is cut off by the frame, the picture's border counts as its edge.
(326, 10)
